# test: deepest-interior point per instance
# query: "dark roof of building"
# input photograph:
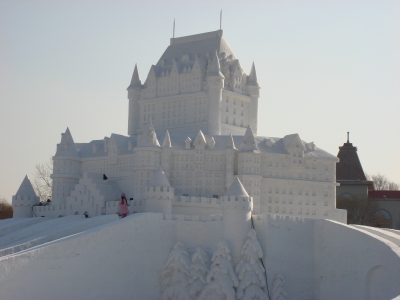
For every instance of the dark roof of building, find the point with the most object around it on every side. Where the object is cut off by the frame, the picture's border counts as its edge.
(384, 194)
(349, 167)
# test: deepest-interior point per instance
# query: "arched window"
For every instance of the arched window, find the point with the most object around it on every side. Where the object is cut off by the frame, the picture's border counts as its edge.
(382, 218)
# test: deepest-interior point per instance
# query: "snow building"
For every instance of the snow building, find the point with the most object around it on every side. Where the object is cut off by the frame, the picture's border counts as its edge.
(202, 106)
(194, 165)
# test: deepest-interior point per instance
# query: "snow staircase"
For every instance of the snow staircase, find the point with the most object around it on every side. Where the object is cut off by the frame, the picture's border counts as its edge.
(92, 191)
(49, 230)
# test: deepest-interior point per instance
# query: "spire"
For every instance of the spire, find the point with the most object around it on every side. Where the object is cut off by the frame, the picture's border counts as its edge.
(67, 146)
(252, 79)
(167, 141)
(159, 178)
(249, 142)
(135, 82)
(231, 143)
(349, 165)
(236, 189)
(200, 137)
(215, 69)
(148, 137)
(26, 188)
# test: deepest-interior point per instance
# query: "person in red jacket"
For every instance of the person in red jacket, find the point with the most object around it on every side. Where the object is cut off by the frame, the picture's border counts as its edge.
(123, 206)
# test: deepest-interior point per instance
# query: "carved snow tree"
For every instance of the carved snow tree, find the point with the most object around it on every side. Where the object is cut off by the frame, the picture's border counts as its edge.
(174, 278)
(198, 272)
(221, 280)
(250, 271)
(278, 293)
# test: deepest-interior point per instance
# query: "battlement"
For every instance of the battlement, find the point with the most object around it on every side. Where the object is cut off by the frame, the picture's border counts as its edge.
(237, 202)
(197, 201)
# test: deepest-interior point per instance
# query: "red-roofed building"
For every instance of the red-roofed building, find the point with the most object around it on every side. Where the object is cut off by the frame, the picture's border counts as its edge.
(350, 174)
(354, 184)
(389, 208)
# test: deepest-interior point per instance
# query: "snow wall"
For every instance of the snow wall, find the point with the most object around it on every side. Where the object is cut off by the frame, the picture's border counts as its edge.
(324, 259)
(319, 259)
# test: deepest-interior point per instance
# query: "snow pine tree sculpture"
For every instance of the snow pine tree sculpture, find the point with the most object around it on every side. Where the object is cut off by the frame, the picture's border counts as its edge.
(174, 278)
(278, 293)
(250, 271)
(198, 272)
(221, 280)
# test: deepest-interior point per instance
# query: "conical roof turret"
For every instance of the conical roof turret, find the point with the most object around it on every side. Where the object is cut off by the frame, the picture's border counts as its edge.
(236, 189)
(26, 188)
(67, 145)
(249, 142)
(135, 81)
(252, 79)
(159, 178)
(215, 69)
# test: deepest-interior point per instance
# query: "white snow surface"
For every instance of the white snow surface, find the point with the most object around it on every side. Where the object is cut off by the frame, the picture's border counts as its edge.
(109, 258)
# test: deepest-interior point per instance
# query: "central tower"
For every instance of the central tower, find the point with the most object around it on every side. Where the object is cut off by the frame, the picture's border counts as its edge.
(197, 84)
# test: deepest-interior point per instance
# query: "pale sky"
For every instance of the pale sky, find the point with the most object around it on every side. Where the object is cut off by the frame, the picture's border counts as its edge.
(325, 68)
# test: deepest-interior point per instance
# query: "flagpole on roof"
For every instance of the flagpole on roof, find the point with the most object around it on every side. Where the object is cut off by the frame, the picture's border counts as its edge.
(220, 20)
(173, 30)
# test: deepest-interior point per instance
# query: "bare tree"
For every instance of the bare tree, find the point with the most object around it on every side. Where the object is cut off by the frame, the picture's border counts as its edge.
(381, 182)
(42, 183)
(5, 205)
(360, 210)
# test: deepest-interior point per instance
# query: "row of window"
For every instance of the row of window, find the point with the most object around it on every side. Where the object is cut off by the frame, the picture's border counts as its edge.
(299, 201)
(290, 210)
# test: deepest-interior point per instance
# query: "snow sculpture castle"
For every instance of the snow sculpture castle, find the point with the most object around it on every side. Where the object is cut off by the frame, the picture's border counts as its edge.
(212, 188)
(197, 100)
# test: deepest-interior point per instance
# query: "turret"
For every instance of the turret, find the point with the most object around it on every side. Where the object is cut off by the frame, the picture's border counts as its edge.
(236, 207)
(254, 92)
(215, 81)
(134, 94)
(147, 157)
(230, 150)
(66, 168)
(159, 194)
(166, 154)
(24, 199)
(249, 167)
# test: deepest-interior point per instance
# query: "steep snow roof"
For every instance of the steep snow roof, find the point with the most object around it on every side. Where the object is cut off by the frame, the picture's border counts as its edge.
(159, 178)
(203, 45)
(67, 146)
(236, 189)
(249, 142)
(221, 143)
(26, 188)
(167, 141)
